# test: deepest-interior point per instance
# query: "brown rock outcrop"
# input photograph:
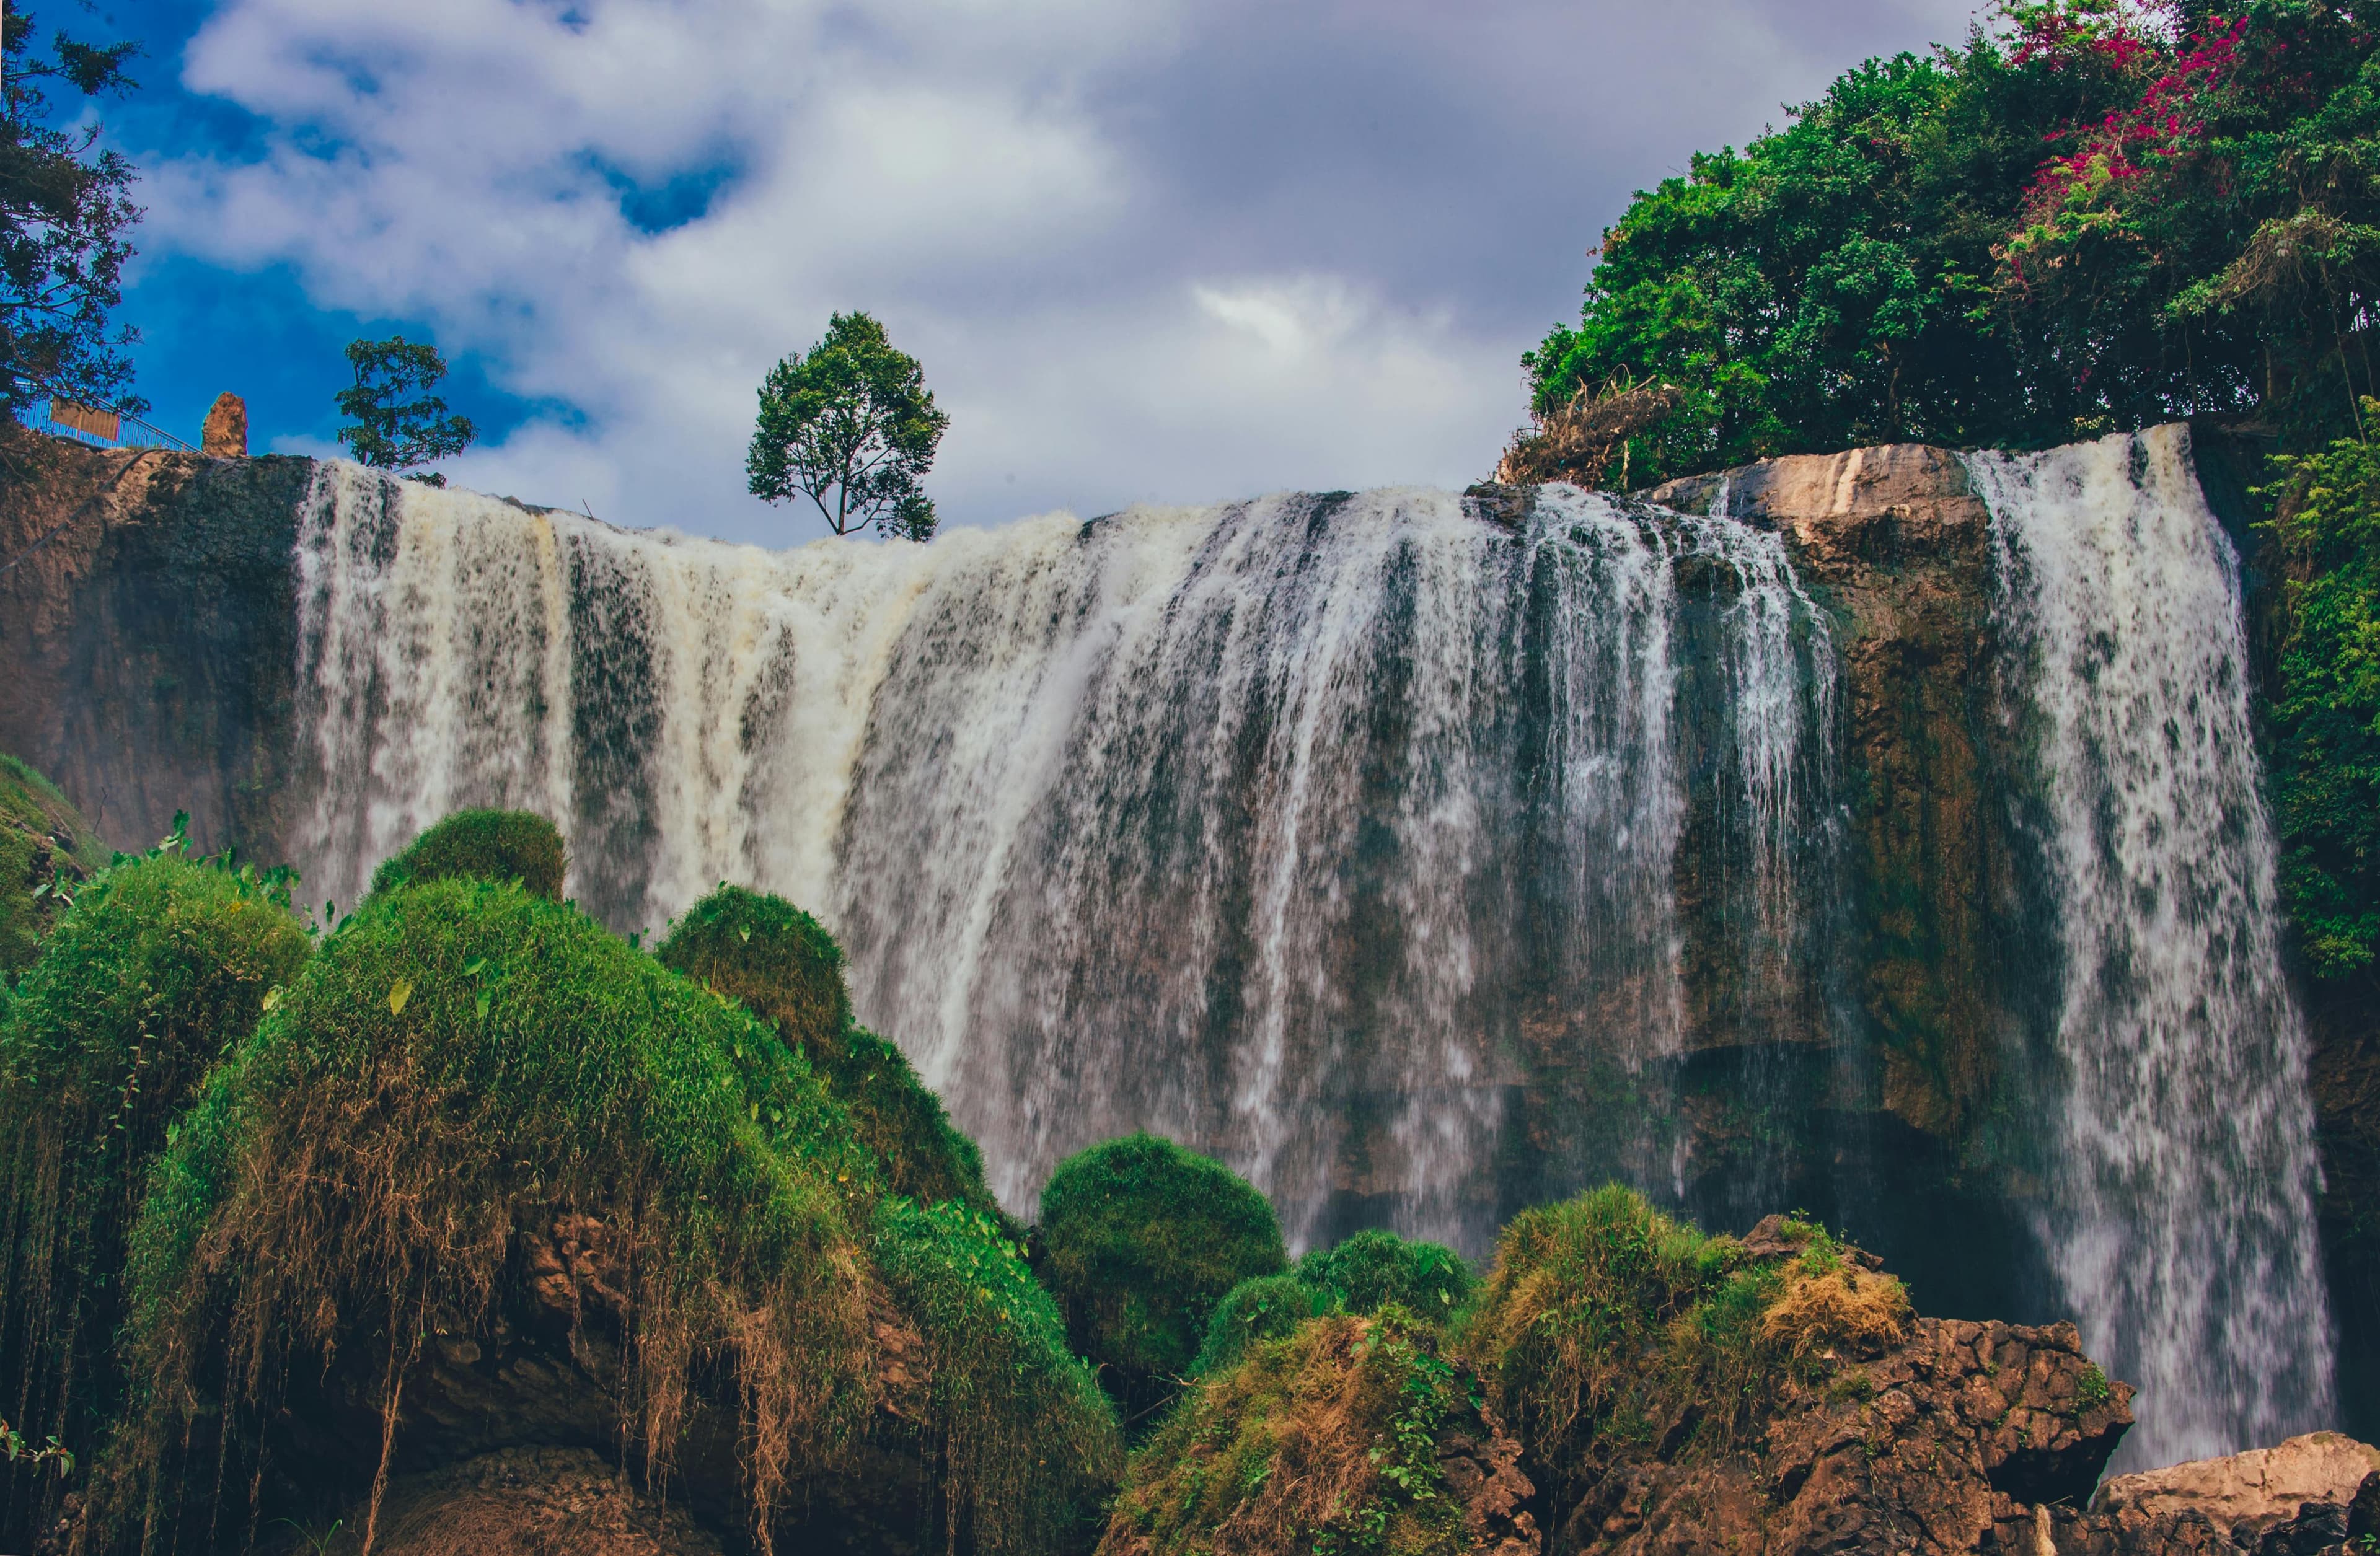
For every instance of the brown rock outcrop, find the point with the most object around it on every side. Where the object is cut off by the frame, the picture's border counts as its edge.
(225, 435)
(527, 1502)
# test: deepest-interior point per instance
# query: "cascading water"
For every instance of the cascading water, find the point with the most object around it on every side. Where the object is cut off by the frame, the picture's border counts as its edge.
(1419, 864)
(1305, 831)
(2174, 1126)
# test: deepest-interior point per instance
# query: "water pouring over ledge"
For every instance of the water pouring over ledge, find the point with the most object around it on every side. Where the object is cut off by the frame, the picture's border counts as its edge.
(1415, 864)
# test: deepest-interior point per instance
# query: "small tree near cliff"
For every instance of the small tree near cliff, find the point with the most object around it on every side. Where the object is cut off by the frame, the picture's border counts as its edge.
(853, 420)
(62, 215)
(391, 431)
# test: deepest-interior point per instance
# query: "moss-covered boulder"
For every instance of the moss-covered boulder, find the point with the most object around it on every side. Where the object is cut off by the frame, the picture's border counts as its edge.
(1776, 1393)
(1348, 1434)
(44, 846)
(160, 964)
(1140, 1240)
(488, 1173)
(780, 963)
(483, 845)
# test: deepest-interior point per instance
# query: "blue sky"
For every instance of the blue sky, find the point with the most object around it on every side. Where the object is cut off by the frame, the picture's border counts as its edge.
(1171, 250)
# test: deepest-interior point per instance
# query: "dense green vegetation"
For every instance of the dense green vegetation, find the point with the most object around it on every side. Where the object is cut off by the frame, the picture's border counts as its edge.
(781, 965)
(45, 851)
(2092, 215)
(160, 964)
(1368, 1272)
(483, 845)
(1604, 1327)
(1140, 1240)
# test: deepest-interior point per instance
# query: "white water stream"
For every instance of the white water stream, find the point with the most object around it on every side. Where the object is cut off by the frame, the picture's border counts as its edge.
(2174, 1123)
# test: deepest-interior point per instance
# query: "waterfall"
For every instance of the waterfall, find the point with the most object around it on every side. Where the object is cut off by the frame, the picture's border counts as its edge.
(1313, 831)
(2172, 1121)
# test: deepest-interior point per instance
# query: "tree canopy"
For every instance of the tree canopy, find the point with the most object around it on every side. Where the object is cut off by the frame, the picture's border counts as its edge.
(391, 431)
(853, 420)
(2091, 215)
(64, 212)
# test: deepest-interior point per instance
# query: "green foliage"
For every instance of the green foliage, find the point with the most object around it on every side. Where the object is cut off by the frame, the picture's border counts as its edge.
(1259, 1309)
(852, 417)
(2326, 721)
(2082, 219)
(463, 1058)
(391, 431)
(781, 964)
(1604, 1326)
(1021, 1423)
(2092, 1390)
(160, 965)
(484, 844)
(1372, 1270)
(1365, 1274)
(46, 848)
(64, 212)
(1325, 1440)
(1140, 1240)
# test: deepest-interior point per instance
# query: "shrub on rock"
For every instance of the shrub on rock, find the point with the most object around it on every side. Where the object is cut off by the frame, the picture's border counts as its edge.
(1371, 1270)
(159, 966)
(1348, 1434)
(497, 845)
(781, 964)
(1368, 1272)
(1140, 1241)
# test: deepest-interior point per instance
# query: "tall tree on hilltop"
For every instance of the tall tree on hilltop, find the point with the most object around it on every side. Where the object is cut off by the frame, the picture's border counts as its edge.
(855, 419)
(389, 430)
(63, 211)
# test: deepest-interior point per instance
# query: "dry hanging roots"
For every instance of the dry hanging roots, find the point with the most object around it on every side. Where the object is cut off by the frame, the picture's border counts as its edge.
(1578, 441)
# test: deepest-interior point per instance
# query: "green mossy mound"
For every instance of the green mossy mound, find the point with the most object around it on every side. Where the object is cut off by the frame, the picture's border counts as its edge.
(1606, 1330)
(1332, 1439)
(1140, 1241)
(44, 844)
(159, 967)
(497, 845)
(466, 1063)
(781, 964)
(1369, 1272)
(1019, 1419)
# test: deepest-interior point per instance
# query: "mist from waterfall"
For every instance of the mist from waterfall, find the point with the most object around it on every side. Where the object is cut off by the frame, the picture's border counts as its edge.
(2174, 1126)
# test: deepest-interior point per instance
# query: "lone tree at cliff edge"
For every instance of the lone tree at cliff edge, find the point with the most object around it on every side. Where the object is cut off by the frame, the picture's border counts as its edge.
(391, 431)
(851, 419)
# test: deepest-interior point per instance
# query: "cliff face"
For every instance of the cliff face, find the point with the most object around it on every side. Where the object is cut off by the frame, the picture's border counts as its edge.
(147, 637)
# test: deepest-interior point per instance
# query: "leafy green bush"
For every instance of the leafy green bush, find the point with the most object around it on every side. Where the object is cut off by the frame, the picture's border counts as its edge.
(1372, 1270)
(1140, 1240)
(486, 846)
(2326, 721)
(1259, 1309)
(159, 967)
(44, 844)
(1019, 1420)
(465, 1057)
(1326, 1441)
(781, 964)
(1368, 1272)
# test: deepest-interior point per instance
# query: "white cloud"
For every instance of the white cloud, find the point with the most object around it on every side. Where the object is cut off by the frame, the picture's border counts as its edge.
(1146, 252)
